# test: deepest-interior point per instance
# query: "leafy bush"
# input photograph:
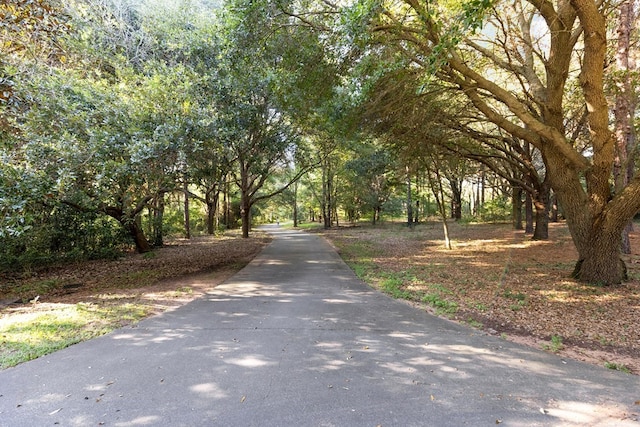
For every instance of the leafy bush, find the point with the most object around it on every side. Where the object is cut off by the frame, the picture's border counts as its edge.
(498, 209)
(64, 234)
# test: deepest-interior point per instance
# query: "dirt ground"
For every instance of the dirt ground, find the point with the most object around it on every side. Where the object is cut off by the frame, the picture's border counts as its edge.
(168, 277)
(500, 280)
(509, 285)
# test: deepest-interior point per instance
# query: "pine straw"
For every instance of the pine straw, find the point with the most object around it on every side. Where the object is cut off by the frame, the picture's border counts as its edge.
(511, 285)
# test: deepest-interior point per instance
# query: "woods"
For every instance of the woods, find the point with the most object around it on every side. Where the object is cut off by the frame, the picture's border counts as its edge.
(122, 120)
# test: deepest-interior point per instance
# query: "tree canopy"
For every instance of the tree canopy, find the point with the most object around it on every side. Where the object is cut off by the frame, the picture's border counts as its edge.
(112, 110)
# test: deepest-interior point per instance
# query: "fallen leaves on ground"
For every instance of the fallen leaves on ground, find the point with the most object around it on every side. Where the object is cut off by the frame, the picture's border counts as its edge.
(502, 281)
(170, 276)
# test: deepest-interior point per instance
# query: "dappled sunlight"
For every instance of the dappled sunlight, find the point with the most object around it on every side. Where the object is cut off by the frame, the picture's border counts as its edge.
(114, 296)
(488, 245)
(148, 420)
(46, 398)
(402, 335)
(302, 344)
(330, 345)
(167, 335)
(209, 391)
(250, 361)
(338, 301)
(571, 291)
(245, 290)
(271, 262)
(397, 367)
(28, 314)
(329, 365)
(499, 278)
(588, 414)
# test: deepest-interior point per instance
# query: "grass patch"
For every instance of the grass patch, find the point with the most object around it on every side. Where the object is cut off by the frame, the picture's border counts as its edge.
(555, 345)
(441, 305)
(518, 296)
(394, 287)
(474, 323)
(306, 225)
(617, 367)
(24, 338)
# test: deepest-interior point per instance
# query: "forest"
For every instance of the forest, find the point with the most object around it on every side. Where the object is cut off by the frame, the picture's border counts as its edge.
(125, 122)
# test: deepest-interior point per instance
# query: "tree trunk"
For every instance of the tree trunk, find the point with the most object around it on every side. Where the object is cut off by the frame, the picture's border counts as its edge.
(245, 201)
(187, 218)
(245, 215)
(211, 219)
(528, 212)
(295, 205)
(541, 205)
(541, 230)
(596, 229)
(211, 201)
(409, 201)
(456, 199)
(624, 110)
(158, 220)
(135, 231)
(326, 194)
(600, 262)
(516, 206)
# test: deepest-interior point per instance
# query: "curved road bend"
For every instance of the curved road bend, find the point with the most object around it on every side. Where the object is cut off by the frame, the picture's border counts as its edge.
(295, 339)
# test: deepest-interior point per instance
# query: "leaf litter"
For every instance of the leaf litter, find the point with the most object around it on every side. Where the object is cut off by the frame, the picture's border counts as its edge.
(498, 280)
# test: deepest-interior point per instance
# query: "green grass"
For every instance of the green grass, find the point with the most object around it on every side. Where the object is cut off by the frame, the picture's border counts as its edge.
(519, 296)
(474, 323)
(617, 367)
(555, 345)
(304, 225)
(441, 305)
(394, 287)
(394, 284)
(28, 337)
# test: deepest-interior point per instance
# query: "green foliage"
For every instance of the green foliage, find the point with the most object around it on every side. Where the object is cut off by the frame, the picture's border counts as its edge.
(394, 287)
(496, 210)
(441, 305)
(555, 345)
(474, 323)
(61, 236)
(370, 179)
(519, 296)
(617, 367)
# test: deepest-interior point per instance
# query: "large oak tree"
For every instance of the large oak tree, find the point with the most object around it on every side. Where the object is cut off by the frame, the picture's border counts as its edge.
(519, 71)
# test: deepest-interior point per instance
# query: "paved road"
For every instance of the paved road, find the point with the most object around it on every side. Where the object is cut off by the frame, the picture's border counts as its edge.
(295, 339)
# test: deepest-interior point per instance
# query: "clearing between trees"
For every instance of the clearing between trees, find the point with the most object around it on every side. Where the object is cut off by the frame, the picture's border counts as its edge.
(495, 278)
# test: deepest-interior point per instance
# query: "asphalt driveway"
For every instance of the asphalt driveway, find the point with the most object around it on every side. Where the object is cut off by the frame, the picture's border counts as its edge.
(296, 339)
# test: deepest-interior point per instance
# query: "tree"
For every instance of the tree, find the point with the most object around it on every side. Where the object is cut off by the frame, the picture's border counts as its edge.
(415, 116)
(371, 172)
(263, 96)
(518, 76)
(625, 108)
